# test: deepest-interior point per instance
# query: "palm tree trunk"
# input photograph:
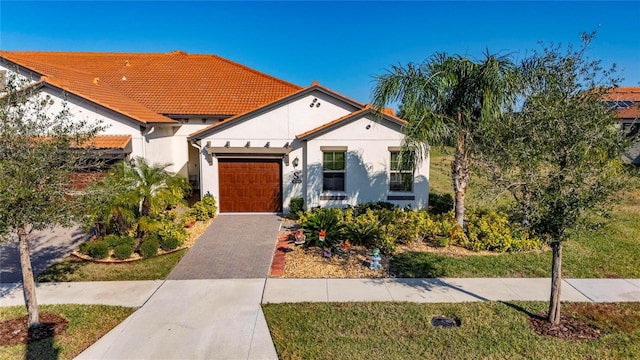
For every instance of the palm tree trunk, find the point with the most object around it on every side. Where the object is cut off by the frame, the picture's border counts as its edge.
(556, 282)
(460, 177)
(28, 283)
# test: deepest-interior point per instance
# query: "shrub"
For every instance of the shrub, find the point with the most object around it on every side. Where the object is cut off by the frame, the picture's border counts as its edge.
(114, 241)
(172, 230)
(98, 250)
(440, 203)
(492, 231)
(169, 243)
(149, 247)
(322, 219)
(204, 209)
(296, 205)
(378, 205)
(84, 247)
(123, 251)
(364, 229)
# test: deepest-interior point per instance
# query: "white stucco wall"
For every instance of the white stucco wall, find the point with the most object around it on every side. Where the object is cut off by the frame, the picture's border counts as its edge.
(367, 166)
(368, 154)
(278, 126)
(165, 144)
(113, 123)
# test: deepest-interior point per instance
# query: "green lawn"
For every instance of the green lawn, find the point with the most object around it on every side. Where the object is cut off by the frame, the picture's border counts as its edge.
(71, 269)
(87, 323)
(610, 251)
(489, 330)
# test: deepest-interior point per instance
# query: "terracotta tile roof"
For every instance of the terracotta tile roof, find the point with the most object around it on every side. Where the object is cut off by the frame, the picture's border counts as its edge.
(314, 85)
(628, 93)
(630, 112)
(109, 142)
(367, 109)
(176, 83)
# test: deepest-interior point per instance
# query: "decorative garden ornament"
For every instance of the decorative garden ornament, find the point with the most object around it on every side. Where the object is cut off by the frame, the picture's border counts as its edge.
(322, 235)
(375, 260)
(300, 237)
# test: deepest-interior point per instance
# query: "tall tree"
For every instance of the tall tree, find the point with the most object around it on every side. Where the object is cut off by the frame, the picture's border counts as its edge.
(444, 99)
(39, 150)
(559, 154)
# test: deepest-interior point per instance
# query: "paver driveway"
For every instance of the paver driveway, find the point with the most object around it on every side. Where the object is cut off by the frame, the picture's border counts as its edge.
(233, 247)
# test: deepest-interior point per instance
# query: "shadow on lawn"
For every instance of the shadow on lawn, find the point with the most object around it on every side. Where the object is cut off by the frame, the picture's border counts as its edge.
(415, 264)
(42, 349)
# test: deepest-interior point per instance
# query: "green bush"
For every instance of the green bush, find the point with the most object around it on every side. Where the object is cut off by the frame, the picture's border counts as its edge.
(378, 205)
(364, 229)
(149, 247)
(114, 241)
(327, 219)
(440, 203)
(204, 209)
(296, 205)
(172, 230)
(169, 243)
(123, 251)
(84, 247)
(98, 250)
(492, 231)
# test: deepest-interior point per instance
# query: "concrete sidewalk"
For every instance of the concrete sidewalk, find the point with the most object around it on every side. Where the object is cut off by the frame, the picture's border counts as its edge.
(222, 319)
(121, 293)
(193, 319)
(448, 290)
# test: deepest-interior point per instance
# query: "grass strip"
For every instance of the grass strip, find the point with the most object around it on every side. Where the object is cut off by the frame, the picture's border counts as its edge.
(489, 330)
(87, 324)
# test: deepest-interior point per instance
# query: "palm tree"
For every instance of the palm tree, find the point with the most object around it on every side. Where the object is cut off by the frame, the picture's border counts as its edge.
(445, 99)
(151, 186)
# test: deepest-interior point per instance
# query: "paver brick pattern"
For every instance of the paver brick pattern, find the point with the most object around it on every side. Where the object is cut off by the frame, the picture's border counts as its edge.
(233, 247)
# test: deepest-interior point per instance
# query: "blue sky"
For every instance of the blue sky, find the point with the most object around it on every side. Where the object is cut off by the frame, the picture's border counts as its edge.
(341, 44)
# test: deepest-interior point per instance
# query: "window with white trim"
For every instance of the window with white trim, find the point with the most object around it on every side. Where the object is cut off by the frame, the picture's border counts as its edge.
(400, 174)
(333, 170)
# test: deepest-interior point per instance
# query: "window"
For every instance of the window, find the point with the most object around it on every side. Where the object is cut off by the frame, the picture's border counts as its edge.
(400, 175)
(333, 165)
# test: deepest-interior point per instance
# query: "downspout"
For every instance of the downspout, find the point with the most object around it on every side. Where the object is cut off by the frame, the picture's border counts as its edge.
(144, 133)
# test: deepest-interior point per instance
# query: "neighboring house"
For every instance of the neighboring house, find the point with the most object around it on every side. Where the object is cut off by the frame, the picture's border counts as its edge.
(249, 139)
(626, 102)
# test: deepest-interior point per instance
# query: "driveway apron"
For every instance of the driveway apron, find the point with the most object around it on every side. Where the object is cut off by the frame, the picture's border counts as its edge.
(233, 247)
(209, 306)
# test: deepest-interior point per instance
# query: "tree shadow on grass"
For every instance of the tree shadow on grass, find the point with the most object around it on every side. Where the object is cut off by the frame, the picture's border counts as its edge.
(60, 271)
(43, 349)
(414, 264)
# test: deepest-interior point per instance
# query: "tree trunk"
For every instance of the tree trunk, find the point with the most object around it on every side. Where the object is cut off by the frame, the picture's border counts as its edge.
(460, 176)
(556, 282)
(28, 283)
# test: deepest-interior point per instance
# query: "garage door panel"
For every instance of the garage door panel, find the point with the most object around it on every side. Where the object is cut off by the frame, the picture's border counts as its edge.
(250, 185)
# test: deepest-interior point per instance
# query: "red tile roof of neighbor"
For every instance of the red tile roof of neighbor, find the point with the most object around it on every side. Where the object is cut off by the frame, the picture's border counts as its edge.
(630, 112)
(109, 142)
(623, 93)
(147, 86)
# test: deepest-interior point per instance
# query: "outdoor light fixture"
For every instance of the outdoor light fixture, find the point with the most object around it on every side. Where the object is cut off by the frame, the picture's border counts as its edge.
(295, 162)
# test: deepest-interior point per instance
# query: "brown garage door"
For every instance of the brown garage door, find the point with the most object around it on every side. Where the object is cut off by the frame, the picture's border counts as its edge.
(250, 185)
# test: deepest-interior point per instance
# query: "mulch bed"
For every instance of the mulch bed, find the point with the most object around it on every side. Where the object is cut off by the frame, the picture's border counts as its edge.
(568, 329)
(15, 331)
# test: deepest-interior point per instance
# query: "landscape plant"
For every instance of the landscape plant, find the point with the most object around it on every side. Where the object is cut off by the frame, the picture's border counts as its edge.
(40, 148)
(445, 100)
(559, 154)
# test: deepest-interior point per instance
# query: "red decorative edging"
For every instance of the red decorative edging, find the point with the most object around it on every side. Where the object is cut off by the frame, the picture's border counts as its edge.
(277, 265)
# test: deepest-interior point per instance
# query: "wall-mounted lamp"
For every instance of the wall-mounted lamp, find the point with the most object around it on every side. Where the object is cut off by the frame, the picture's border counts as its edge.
(295, 162)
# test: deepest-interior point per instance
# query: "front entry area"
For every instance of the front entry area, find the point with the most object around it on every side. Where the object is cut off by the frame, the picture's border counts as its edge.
(250, 185)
